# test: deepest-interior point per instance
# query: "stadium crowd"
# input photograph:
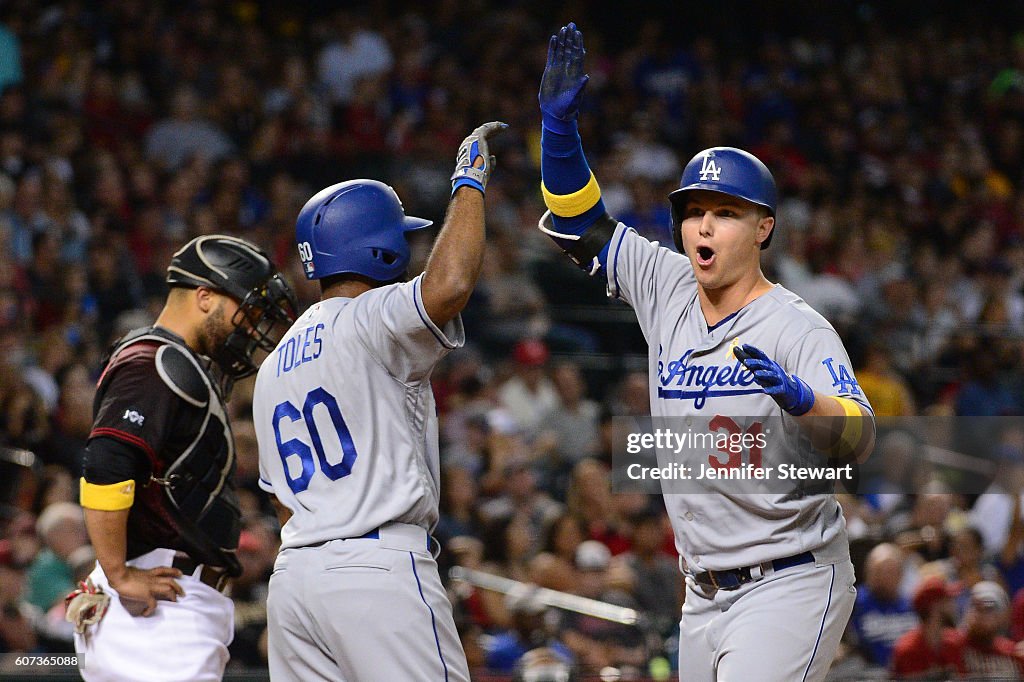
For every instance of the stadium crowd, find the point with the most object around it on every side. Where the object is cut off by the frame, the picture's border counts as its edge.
(129, 126)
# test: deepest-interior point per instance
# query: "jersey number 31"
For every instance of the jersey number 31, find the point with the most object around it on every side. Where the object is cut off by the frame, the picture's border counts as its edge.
(297, 448)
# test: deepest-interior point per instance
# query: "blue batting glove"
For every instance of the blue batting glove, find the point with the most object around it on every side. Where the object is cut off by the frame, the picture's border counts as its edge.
(790, 391)
(561, 87)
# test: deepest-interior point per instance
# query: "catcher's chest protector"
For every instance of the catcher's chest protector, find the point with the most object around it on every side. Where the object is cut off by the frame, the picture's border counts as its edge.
(195, 466)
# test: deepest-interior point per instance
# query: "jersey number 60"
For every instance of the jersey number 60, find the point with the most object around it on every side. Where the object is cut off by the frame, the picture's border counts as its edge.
(295, 447)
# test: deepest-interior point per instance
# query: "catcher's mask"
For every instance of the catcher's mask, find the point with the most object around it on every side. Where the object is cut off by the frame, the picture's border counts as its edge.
(240, 269)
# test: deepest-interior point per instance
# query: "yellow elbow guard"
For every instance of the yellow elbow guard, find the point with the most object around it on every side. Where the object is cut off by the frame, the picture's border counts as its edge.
(570, 205)
(113, 497)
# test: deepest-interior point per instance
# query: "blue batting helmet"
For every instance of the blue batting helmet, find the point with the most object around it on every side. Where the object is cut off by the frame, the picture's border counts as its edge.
(727, 170)
(356, 227)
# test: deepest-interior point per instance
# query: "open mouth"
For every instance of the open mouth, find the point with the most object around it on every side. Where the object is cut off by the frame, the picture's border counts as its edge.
(705, 256)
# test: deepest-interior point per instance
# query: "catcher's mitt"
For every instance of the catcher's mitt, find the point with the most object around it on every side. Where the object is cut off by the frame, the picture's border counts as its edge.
(86, 605)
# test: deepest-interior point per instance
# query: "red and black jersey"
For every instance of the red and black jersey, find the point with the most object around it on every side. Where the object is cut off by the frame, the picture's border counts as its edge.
(995, 659)
(160, 421)
(913, 657)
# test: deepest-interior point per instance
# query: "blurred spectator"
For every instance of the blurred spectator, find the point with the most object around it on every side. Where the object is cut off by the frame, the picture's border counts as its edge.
(889, 492)
(988, 652)
(1017, 616)
(55, 486)
(171, 142)
(934, 648)
(72, 419)
(521, 498)
(596, 642)
(21, 534)
(23, 417)
(82, 561)
(504, 444)
(589, 498)
(659, 591)
(114, 289)
(881, 614)
(247, 468)
(508, 305)
(16, 614)
(44, 283)
(992, 512)
(923, 529)
(569, 433)
(25, 218)
(529, 630)
(10, 58)
(468, 430)
(648, 214)
(586, 636)
(529, 395)
(459, 497)
(509, 546)
(967, 565)
(249, 592)
(563, 536)
(54, 353)
(1011, 556)
(53, 629)
(985, 393)
(543, 665)
(649, 160)
(632, 397)
(61, 528)
(936, 319)
(884, 387)
(356, 51)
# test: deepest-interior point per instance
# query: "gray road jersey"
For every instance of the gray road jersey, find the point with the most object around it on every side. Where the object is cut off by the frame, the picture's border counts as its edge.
(345, 415)
(695, 376)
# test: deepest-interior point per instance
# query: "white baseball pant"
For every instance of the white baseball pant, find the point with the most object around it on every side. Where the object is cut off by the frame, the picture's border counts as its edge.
(362, 609)
(785, 627)
(182, 641)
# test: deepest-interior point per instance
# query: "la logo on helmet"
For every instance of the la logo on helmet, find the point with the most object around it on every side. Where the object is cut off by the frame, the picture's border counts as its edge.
(708, 167)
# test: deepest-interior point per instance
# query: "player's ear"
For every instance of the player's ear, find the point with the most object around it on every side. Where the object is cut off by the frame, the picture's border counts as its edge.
(764, 229)
(204, 299)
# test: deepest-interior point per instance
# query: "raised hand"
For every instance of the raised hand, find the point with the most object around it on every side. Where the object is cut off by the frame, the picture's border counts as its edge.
(561, 87)
(474, 163)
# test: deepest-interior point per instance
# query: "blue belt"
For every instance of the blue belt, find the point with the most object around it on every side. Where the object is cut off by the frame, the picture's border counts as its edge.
(375, 535)
(736, 577)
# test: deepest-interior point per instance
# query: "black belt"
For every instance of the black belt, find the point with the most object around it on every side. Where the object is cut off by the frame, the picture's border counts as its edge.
(214, 576)
(736, 577)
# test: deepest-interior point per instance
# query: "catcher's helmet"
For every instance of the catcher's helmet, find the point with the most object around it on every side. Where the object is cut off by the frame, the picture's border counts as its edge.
(730, 171)
(355, 227)
(245, 272)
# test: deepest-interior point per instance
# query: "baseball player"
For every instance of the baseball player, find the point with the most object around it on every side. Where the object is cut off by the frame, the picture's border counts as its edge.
(770, 585)
(160, 507)
(348, 435)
